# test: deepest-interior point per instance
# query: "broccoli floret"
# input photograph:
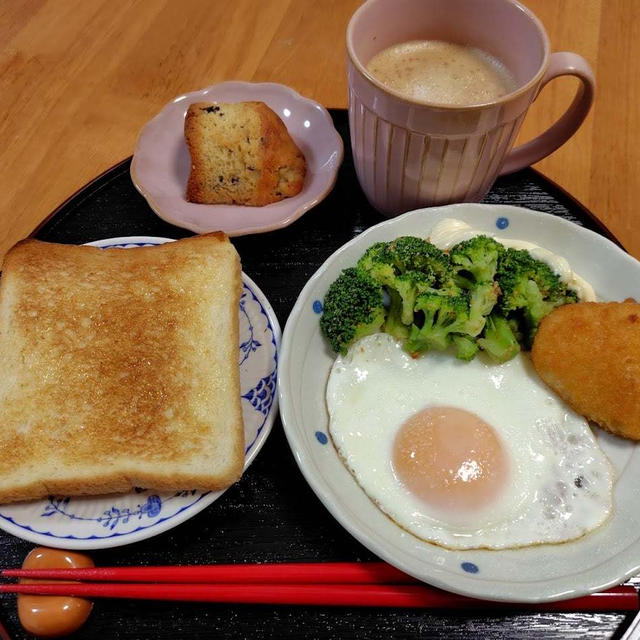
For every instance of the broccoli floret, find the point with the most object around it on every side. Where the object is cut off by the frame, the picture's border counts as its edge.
(352, 309)
(447, 285)
(408, 286)
(443, 316)
(465, 347)
(518, 263)
(380, 262)
(393, 324)
(415, 254)
(482, 299)
(475, 260)
(530, 290)
(376, 262)
(498, 339)
(514, 325)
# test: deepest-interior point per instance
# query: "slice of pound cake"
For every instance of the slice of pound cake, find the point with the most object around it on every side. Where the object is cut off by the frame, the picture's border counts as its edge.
(241, 153)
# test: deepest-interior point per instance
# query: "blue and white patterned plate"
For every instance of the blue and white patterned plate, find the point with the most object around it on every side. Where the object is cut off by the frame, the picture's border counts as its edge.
(109, 521)
(540, 573)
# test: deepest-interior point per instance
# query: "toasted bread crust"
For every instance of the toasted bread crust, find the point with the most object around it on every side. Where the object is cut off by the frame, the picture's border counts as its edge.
(241, 153)
(589, 354)
(118, 368)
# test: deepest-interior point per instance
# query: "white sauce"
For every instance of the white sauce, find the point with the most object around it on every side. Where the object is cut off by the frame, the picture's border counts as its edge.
(449, 232)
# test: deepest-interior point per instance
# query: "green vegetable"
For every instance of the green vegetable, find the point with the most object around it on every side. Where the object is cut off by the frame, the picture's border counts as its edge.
(465, 347)
(409, 285)
(439, 316)
(352, 309)
(482, 299)
(376, 262)
(498, 340)
(529, 291)
(393, 324)
(415, 254)
(478, 296)
(475, 260)
(403, 266)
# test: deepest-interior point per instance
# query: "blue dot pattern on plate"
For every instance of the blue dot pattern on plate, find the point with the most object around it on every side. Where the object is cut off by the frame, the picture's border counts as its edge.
(469, 567)
(317, 306)
(502, 223)
(321, 437)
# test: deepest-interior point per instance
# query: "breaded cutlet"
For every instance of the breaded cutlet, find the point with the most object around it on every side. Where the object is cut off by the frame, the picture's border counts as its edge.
(589, 354)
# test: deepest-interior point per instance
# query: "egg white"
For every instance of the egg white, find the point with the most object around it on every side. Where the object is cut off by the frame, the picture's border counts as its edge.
(560, 483)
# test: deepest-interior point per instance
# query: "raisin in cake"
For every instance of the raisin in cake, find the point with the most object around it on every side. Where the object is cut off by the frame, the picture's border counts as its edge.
(240, 153)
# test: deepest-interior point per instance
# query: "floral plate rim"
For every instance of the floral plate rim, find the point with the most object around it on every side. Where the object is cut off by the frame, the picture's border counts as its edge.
(243, 220)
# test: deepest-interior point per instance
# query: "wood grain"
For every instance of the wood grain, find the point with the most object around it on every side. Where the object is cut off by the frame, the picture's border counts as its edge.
(79, 78)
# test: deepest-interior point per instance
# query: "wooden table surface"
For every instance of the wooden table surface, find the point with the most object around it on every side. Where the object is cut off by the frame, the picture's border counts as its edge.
(79, 78)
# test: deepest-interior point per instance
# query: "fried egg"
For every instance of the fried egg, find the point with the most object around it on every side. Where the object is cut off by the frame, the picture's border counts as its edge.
(466, 454)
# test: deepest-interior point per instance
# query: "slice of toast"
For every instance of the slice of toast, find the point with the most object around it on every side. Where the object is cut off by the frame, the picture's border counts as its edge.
(241, 153)
(119, 368)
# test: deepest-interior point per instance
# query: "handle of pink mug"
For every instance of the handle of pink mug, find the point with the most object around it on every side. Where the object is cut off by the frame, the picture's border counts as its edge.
(560, 64)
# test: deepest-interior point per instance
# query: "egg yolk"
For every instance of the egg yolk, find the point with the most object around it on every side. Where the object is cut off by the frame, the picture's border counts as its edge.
(450, 458)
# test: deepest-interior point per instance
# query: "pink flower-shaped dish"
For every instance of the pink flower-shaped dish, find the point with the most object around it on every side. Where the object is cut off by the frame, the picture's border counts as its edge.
(160, 166)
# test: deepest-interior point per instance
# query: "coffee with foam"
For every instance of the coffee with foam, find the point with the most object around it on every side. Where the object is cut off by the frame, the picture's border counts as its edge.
(439, 72)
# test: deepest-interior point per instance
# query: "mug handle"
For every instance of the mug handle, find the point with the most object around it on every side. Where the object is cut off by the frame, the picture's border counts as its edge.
(560, 64)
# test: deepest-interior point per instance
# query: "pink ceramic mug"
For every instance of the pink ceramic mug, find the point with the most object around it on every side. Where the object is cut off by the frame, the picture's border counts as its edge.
(411, 154)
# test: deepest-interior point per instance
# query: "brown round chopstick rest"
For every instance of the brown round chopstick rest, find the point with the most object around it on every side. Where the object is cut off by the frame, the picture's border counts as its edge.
(53, 616)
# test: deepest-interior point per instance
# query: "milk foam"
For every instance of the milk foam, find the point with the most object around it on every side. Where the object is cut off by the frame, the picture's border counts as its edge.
(441, 72)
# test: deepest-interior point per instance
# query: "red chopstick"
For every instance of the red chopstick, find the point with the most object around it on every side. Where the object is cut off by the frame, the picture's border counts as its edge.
(333, 583)
(282, 573)
(358, 595)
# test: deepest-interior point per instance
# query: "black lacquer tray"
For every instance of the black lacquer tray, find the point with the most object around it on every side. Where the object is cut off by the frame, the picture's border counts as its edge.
(271, 515)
